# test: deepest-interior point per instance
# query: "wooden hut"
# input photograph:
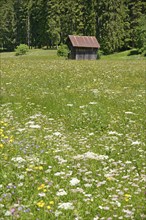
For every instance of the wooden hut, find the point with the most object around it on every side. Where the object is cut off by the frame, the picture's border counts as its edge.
(82, 47)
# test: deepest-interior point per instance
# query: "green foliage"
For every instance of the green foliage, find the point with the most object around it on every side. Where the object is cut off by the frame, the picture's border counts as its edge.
(63, 50)
(143, 50)
(21, 49)
(42, 23)
(7, 24)
(134, 51)
(99, 54)
(141, 35)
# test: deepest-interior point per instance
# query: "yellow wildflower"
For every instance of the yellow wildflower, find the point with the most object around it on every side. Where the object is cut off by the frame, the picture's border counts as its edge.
(48, 207)
(51, 202)
(1, 145)
(41, 204)
(127, 197)
(109, 178)
(1, 131)
(38, 168)
(42, 186)
(11, 140)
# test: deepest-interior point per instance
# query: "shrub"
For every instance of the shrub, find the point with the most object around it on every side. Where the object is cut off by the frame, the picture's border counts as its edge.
(134, 51)
(63, 50)
(99, 54)
(143, 50)
(21, 49)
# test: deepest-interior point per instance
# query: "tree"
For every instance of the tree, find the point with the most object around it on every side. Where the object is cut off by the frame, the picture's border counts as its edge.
(141, 35)
(89, 17)
(110, 25)
(20, 10)
(7, 21)
(135, 11)
(53, 24)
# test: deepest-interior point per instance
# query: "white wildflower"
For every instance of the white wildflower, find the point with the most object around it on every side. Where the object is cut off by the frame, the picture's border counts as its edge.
(21, 129)
(118, 203)
(136, 143)
(18, 159)
(57, 213)
(87, 185)
(42, 194)
(92, 103)
(70, 105)
(20, 184)
(78, 190)
(90, 155)
(104, 207)
(21, 177)
(129, 113)
(59, 173)
(74, 181)
(35, 126)
(7, 213)
(57, 133)
(66, 205)
(96, 218)
(61, 192)
(128, 212)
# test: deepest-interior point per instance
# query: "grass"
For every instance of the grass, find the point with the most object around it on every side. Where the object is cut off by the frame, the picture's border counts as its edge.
(72, 137)
(125, 55)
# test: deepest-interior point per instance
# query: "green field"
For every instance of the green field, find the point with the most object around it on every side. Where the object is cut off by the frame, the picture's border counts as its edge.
(72, 137)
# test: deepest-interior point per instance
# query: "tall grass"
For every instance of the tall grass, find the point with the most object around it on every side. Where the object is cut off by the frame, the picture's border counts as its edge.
(72, 138)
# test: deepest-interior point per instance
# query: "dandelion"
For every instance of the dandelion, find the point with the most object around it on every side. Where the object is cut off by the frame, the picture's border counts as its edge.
(1, 131)
(41, 204)
(1, 145)
(51, 202)
(42, 186)
(109, 178)
(11, 139)
(38, 168)
(127, 197)
(48, 207)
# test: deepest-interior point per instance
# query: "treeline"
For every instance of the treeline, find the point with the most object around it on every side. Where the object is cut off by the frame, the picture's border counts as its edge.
(117, 24)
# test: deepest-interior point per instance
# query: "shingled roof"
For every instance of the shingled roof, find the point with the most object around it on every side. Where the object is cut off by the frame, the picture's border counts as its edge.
(84, 41)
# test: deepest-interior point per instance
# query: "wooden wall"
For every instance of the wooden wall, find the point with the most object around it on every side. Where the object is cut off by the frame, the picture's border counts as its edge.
(86, 54)
(83, 53)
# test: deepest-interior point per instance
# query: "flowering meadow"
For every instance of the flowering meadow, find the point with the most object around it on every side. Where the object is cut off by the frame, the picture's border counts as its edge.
(72, 138)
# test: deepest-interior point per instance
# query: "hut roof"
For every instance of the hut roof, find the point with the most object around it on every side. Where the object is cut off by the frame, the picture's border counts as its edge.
(84, 41)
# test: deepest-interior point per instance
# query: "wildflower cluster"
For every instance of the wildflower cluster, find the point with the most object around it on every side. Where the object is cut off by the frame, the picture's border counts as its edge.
(72, 140)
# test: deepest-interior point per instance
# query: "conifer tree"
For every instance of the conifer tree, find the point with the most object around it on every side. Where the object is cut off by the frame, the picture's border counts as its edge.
(110, 25)
(8, 25)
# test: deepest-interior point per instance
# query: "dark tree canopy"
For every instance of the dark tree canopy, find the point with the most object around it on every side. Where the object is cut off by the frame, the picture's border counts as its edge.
(117, 24)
